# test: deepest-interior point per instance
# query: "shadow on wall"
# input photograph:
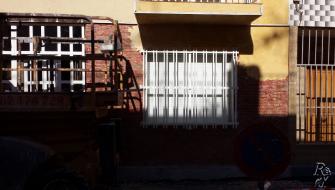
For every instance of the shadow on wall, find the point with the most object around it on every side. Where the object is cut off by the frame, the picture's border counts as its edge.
(254, 94)
(179, 146)
(196, 37)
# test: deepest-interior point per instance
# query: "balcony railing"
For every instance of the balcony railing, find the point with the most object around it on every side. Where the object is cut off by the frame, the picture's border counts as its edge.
(210, 1)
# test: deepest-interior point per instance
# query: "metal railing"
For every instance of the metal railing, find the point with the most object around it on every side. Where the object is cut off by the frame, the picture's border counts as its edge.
(315, 86)
(210, 1)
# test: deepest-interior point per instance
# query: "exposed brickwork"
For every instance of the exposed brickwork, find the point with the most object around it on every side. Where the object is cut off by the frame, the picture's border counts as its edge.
(261, 99)
(102, 32)
(131, 53)
(135, 58)
(273, 97)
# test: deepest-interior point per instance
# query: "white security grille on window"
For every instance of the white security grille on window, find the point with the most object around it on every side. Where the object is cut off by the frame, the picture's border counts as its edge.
(190, 88)
(45, 80)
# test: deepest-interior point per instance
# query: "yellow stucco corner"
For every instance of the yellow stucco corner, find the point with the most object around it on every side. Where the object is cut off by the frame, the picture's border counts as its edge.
(270, 52)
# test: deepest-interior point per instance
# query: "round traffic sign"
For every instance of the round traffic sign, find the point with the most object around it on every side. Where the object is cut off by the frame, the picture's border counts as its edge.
(262, 151)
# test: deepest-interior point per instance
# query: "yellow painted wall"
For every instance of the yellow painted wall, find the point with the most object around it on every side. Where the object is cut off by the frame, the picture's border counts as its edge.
(274, 12)
(270, 53)
(122, 10)
(265, 47)
(264, 44)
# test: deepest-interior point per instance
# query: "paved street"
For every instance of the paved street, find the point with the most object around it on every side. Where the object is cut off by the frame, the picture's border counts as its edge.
(216, 185)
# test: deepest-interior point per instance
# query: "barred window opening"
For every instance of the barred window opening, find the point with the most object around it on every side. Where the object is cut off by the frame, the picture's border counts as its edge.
(315, 85)
(190, 88)
(48, 77)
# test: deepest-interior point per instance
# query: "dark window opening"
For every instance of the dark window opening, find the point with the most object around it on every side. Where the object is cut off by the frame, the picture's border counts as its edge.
(77, 47)
(7, 46)
(36, 30)
(7, 42)
(39, 74)
(6, 31)
(23, 31)
(51, 31)
(24, 47)
(65, 47)
(65, 74)
(50, 47)
(77, 32)
(65, 32)
(7, 75)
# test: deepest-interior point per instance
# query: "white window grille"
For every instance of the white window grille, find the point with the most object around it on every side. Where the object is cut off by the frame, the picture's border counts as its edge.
(190, 88)
(47, 80)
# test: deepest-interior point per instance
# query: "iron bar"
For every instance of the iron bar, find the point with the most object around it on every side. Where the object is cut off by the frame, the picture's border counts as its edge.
(2, 22)
(86, 57)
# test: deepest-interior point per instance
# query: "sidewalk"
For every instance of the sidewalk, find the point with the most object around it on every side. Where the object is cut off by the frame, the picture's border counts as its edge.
(217, 185)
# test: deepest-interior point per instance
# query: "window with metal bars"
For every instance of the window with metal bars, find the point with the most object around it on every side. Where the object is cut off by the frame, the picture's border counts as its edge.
(190, 88)
(43, 79)
(315, 85)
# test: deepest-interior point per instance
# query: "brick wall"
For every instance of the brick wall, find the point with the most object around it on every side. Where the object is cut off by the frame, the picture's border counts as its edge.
(258, 100)
(102, 32)
(135, 58)
(273, 97)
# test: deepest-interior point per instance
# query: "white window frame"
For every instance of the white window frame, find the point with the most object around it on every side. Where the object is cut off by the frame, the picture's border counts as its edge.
(183, 99)
(45, 82)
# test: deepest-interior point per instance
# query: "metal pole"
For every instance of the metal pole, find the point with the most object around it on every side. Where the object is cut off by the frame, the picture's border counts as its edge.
(115, 39)
(315, 88)
(92, 60)
(1, 48)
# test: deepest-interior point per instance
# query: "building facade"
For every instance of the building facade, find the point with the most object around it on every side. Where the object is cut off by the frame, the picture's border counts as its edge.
(311, 80)
(207, 69)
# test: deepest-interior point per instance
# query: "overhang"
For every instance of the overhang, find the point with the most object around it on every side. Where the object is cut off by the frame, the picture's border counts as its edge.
(158, 12)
